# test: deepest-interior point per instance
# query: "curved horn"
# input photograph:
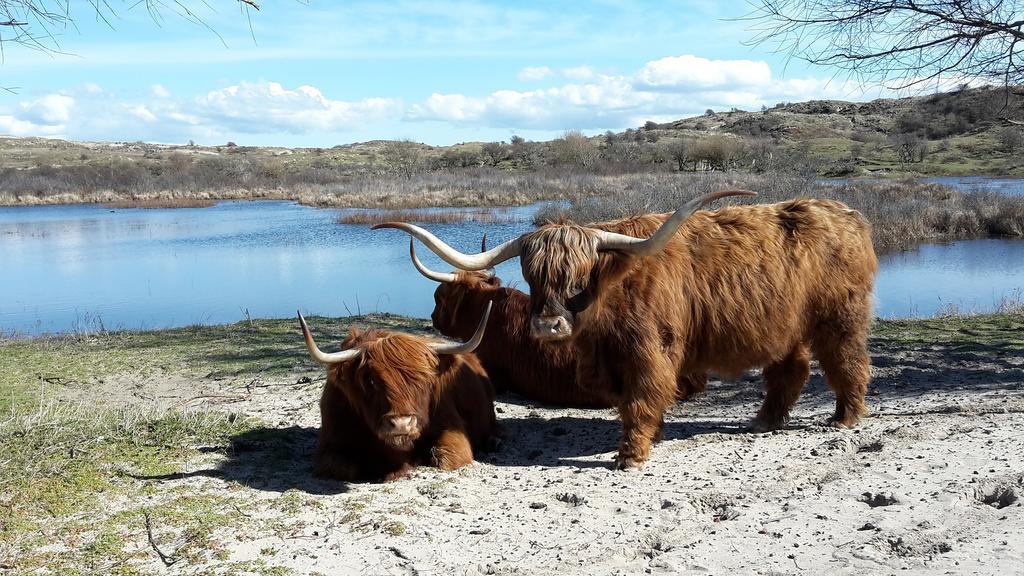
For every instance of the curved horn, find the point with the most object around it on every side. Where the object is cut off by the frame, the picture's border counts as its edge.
(435, 276)
(483, 248)
(469, 345)
(319, 355)
(452, 256)
(661, 238)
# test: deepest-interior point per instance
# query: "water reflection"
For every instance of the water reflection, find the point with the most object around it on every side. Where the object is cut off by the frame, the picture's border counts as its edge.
(1014, 186)
(64, 267)
(970, 276)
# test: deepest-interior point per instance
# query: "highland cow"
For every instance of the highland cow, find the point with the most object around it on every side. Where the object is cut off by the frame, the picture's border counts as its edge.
(513, 359)
(737, 288)
(394, 400)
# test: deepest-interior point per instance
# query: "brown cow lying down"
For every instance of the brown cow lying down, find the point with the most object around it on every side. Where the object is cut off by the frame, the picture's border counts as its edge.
(737, 288)
(394, 400)
(514, 360)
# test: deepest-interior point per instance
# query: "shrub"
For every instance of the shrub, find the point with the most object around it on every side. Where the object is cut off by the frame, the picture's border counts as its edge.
(574, 149)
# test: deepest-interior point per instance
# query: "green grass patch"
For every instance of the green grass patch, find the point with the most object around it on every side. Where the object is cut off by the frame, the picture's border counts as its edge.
(998, 334)
(36, 368)
(63, 474)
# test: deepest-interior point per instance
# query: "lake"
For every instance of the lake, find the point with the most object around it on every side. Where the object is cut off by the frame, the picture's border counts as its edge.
(83, 267)
(1013, 186)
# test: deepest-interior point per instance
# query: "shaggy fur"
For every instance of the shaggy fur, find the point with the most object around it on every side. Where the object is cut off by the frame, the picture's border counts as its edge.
(514, 360)
(397, 374)
(736, 288)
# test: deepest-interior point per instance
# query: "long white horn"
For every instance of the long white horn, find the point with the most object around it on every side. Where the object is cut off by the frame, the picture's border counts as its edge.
(664, 234)
(319, 355)
(435, 276)
(452, 256)
(469, 345)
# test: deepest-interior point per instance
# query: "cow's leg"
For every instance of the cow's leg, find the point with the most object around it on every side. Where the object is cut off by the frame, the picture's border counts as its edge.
(452, 450)
(841, 347)
(783, 382)
(649, 390)
(332, 465)
(847, 366)
(397, 474)
(689, 385)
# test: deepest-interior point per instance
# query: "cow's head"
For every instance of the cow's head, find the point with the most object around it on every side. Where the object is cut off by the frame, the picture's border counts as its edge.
(461, 295)
(389, 377)
(560, 262)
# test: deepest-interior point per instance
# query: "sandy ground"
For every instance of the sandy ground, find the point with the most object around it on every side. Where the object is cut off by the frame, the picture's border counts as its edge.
(932, 482)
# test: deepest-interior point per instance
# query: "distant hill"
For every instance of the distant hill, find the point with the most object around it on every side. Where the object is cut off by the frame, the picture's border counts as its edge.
(967, 132)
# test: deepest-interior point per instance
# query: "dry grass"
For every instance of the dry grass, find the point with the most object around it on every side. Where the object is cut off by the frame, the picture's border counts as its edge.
(480, 216)
(903, 214)
(177, 202)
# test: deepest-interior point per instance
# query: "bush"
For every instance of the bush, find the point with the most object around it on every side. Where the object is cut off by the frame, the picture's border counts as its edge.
(1010, 138)
(574, 149)
(909, 148)
(718, 152)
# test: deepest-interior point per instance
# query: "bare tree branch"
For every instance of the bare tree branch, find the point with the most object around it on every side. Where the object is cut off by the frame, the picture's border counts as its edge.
(900, 43)
(36, 24)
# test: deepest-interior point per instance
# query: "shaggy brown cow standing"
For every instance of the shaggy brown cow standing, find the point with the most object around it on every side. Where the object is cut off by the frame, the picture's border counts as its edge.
(728, 290)
(512, 357)
(394, 400)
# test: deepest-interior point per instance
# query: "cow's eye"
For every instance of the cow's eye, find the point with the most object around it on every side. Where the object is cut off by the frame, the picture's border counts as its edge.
(578, 302)
(576, 290)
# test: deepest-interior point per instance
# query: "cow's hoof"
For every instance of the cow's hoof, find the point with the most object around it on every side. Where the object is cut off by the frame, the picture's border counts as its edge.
(840, 424)
(628, 464)
(761, 425)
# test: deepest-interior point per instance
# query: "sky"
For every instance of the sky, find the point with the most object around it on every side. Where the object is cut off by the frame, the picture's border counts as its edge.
(322, 73)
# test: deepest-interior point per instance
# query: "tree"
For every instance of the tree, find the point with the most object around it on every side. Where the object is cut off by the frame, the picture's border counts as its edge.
(35, 23)
(495, 152)
(522, 153)
(402, 157)
(679, 151)
(901, 43)
(1010, 138)
(909, 148)
(575, 149)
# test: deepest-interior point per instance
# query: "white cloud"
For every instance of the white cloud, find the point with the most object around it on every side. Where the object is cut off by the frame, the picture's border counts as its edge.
(694, 73)
(267, 107)
(534, 73)
(661, 90)
(50, 109)
(141, 112)
(12, 126)
(579, 73)
(246, 108)
(601, 103)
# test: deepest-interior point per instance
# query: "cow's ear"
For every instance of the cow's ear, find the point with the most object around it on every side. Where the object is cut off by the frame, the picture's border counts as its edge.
(353, 334)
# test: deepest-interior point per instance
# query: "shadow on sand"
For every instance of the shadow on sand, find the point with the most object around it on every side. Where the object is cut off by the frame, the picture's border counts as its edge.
(280, 459)
(268, 459)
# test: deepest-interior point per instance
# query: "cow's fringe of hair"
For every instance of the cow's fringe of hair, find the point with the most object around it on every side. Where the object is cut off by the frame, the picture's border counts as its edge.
(514, 360)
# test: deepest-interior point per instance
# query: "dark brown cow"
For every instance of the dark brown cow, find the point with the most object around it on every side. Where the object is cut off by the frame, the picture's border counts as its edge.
(737, 288)
(394, 400)
(512, 357)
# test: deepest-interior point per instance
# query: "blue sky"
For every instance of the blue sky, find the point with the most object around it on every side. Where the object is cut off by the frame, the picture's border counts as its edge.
(323, 73)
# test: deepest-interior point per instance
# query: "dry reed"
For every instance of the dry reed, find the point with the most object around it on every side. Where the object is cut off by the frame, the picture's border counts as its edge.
(479, 216)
